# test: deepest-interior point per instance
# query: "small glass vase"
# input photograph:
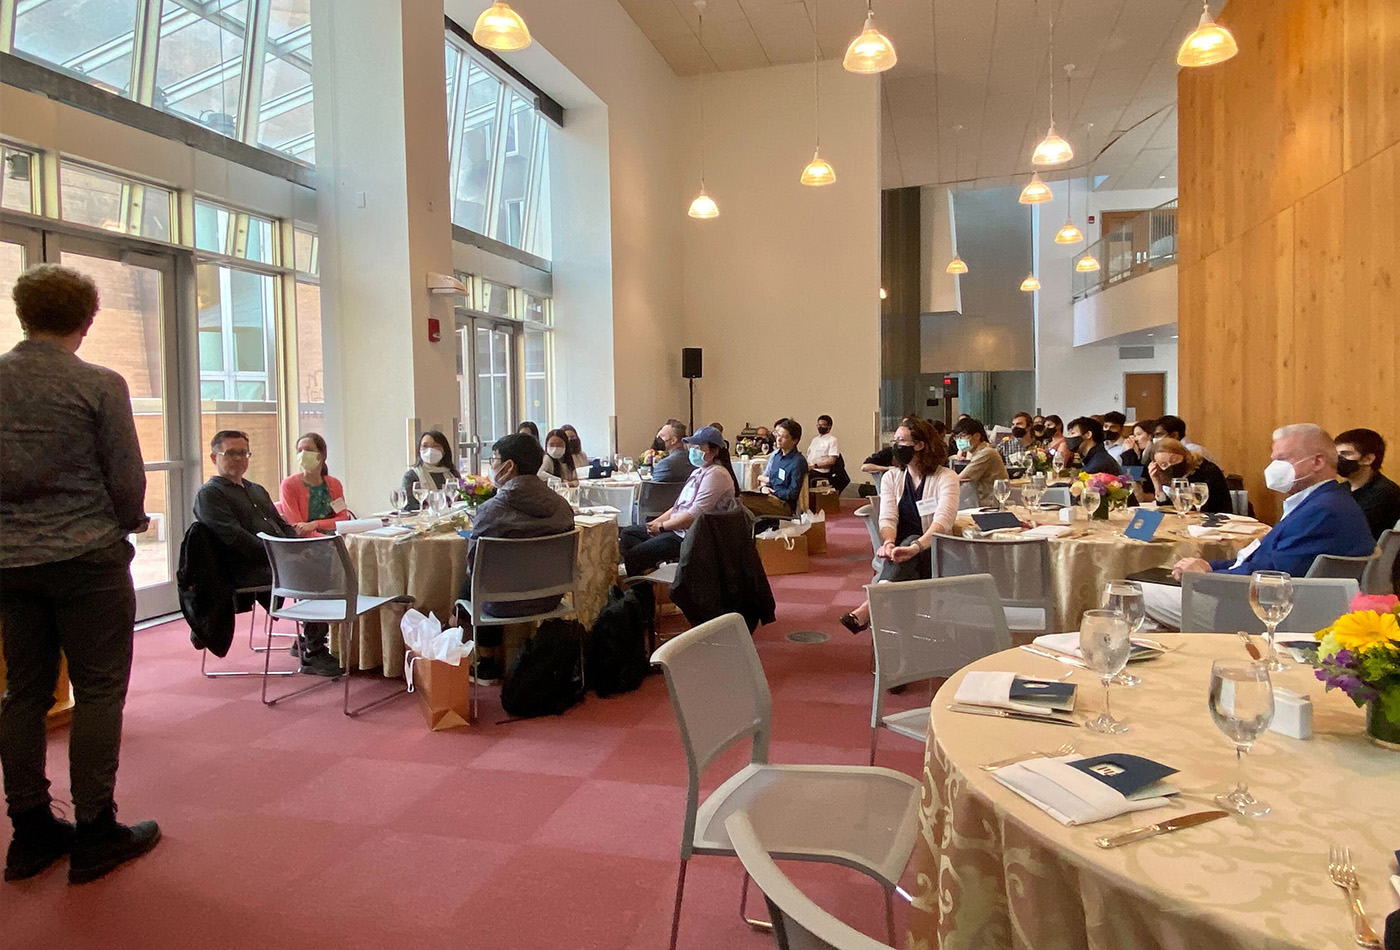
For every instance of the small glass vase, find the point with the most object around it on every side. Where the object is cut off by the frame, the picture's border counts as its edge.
(1380, 728)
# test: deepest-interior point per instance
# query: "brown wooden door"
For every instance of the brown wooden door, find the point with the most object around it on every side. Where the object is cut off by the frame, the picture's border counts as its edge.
(1145, 395)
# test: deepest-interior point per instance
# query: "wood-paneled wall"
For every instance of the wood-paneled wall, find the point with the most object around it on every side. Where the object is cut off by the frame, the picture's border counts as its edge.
(1290, 230)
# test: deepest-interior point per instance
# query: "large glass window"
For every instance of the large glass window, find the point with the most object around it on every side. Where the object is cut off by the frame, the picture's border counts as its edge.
(90, 39)
(114, 202)
(18, 170)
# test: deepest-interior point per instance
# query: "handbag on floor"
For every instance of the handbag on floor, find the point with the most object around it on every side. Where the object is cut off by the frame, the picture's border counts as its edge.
(544, 679)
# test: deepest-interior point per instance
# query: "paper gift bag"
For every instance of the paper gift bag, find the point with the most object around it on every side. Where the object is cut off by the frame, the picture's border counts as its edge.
(825, 499)
(444, 691)
(816, 537)
(786, 555)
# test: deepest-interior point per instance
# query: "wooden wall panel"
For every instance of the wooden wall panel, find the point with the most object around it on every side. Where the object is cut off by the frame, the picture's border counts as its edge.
(1289, 229)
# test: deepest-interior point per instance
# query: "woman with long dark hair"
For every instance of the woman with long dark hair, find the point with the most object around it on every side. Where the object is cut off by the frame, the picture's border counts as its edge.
(557, 460)
(312, 500)
(433, 467)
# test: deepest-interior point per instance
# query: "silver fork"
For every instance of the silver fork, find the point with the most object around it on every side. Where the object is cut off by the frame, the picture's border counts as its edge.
(1343, 874)
(1066, 749)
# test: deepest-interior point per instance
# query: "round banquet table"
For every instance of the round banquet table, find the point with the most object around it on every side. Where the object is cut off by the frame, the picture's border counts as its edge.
(1096, 552)
(432, 569)
(994, 871)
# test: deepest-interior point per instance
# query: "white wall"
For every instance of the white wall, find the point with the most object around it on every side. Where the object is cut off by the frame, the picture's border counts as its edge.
(1126, 199)
(1145, 302)
(782, 289)
(939, 291)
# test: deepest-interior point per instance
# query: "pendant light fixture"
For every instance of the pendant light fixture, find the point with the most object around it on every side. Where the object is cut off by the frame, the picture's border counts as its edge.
(500, 28)
(1036, 191)
(957, 265)
(818, 171)
(1070, 233)
(1087, 264)
(1030, 284)
(703, 206)
(1209, 43)
(871, 51)
(1052, 150)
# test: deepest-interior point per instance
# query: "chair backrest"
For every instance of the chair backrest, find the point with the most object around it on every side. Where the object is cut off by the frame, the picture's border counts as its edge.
(317, 568)
(1219, 603)
(923, 629)
(656, 498)
(967, 495)
(1239, 501)
(719, 695)
(1020, 567)
(1336, 565)
(1378, 578)
(1058, 495)
(798, 922)
(879, 479)
(870, 514)
(618, 496)
(509, 569)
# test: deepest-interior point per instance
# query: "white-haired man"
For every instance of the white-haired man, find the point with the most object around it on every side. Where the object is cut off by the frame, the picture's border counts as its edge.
(1319, 517)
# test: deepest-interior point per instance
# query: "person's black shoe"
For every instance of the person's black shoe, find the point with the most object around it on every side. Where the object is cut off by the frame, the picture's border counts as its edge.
(320, 663)
(488, 670)
(850, 622)
(105, 844)
(40, 839)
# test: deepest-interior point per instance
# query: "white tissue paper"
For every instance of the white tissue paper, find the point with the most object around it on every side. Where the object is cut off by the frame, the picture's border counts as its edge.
(789, 529)
(425, 637)
(1068, 795)
(1047, 531)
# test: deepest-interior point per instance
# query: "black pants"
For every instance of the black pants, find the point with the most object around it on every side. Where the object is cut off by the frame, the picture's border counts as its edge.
(85, 607)
(641, 552)
(917, 568)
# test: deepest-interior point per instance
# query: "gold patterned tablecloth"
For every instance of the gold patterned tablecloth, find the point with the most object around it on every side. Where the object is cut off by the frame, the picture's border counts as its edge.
(1097, 552)
(994, 872)
(432, 569)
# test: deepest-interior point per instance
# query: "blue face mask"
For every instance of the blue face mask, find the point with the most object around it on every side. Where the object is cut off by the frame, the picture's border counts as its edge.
(697, 456)
(964, 444)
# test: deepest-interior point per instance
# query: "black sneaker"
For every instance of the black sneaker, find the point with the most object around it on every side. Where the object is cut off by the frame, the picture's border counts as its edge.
(105, 844)
(320, 663)
(40, 839)
(488, 671)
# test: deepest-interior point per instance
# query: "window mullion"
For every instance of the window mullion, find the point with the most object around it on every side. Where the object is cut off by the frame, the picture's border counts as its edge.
(498, 161)
(7, 25)
(145, 49)
(456, 118)
(532, 186)
(254, 56)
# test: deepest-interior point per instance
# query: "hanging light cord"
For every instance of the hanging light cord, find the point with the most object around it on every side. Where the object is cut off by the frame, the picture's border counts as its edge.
(700, 35)
(1052, 63)
(816, 75)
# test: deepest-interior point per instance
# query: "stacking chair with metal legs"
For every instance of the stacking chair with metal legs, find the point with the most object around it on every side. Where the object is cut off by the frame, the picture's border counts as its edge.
(1057, 495)
(927, 629)
(967, 496)
(252, 644)
(1020, 567)
(870, 514)
(1219, 603)
(318, 575)
(656, 498)
(1336, 565)
(856, 816)
(1377, 579)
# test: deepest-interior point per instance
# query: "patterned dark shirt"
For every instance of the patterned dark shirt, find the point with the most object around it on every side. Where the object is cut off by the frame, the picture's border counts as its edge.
(71, 475)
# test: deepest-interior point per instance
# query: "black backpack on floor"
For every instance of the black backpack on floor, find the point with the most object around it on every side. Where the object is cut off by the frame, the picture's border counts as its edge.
(544, 678)
(617, 645)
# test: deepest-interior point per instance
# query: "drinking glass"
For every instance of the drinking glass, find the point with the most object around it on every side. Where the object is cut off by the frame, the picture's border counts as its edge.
(1104, 642)
(629, 465)
(1181, 495)
(1090, 499)
(420, 492)
(1271, 597)
(1125, 599)
(398, 500)
(1038, 481)
(440, 503)
(1001, 490)
(1242, 705)
(1030, 497)
(1200, 494)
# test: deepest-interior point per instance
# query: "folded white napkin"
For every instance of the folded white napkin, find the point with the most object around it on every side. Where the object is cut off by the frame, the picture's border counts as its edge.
(984, 688)
(388, 531)
(1201, 532)
(600, 510)
(1048, 531)
(358, 526)
(1237, 529)
(1064, 642)
(1068, 795)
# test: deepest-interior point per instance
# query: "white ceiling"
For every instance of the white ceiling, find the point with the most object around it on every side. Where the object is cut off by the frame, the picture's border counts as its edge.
(981, 64)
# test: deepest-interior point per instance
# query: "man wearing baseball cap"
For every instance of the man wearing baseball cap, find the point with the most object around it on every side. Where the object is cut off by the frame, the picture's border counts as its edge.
(712, 486)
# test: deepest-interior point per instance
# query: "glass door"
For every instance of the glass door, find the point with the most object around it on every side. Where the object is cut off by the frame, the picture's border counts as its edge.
(487, 379)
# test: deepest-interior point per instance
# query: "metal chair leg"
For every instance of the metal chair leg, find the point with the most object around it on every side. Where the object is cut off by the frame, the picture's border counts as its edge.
(743, 908)
(345, 630)
(874, 738)
(267, 627)
(676, 914)
(267, 674)
(889, 915)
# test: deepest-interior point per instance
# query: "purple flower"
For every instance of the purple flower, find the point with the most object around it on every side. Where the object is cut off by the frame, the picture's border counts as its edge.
(1344, 657)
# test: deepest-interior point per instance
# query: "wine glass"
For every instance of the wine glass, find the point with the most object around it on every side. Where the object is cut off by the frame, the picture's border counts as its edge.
(439, 503)
(1104, 642)
(1200, 494)
(629, 465)
(1030, 497)
(1125, 598)
(1242, 705)
(398, 501)
(1090, 499)
(1001, 489)
(1271, 597)
(420, 492)
(1181, 495)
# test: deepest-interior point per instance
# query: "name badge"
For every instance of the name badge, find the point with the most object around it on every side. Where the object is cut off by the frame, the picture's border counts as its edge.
(782, 474)
(337, 505)
(927, 507)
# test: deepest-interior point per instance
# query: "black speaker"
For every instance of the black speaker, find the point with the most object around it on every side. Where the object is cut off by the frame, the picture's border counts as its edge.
(690, 363)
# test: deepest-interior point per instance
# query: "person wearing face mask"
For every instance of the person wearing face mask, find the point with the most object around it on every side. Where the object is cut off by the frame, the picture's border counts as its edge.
(528, 428)
(824, 457)
(675, 467)
(1360, 453)
(575, 447)
(781, 491)
(433, 468)
(1054, 439)
(1138, 448)
(1085, 440)
(984, 464)
(557, 461)
(1020, 441)
(1115, 437)
(1319, 517)
(1038, 427)
(920, 499)
(712, 486)
(313, 499)
(1172, 459)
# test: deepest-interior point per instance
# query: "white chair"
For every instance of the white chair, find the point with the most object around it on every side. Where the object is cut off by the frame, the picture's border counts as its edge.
(267, 629)
(1058, 495)
(798, 923)
(927, 629)
(514, 569)
(1019, 566)
(318, 575)
(1377, 579)
(617, 495)
(870, 514)
(967, 496)
(859, 817)
(1239, 501)
(1336, 565)
(1219, 603)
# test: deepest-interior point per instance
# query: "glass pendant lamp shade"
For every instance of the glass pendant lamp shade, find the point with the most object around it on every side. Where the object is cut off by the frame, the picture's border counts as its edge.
(818, 172)
(871, 51)
(1035, 192)
(500, 28)
(1052, 150)
(1209, 43)
(1030, 284)
(1069, 234)
(1087, 264)
(956, 266)
(703, 206)
(884, 293)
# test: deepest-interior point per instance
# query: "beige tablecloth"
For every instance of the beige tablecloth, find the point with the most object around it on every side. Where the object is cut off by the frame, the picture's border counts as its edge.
(432, 570)
(1097, 552)
(995, 872)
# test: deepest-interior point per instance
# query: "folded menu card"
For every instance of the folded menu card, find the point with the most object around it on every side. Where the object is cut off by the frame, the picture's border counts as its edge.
(1144, 525)
(1131, 775)
(1016, 693)
(1075, 794)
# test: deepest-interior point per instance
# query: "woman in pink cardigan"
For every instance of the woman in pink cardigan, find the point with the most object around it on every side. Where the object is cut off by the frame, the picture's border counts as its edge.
(313, 501)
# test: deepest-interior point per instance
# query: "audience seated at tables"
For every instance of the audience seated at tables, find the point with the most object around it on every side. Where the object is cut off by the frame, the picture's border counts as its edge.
(824, 461)
(528, 428)
(312, 500)
(1172, 459)
(1319, 517)
(1174, 427)
(236, 510)
(1360, 453)
(574, 445)
(557, 461)
(781, 492)
(919, 500)
(1021, 439)
(984, 463)
(1038, 427)
(675, 467)
(1115, 437)
(1137, 450)
(710, 487)
(433, 469)
(1084, 439)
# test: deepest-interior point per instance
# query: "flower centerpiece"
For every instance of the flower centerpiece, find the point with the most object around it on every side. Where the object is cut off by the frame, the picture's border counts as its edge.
(1113, 491)
(476, 489)
(1038, 460)
(1360, 655)
(650, 457)
(749, 448)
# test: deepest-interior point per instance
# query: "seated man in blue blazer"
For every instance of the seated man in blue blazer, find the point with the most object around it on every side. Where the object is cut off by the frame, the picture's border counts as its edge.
(1319, 517)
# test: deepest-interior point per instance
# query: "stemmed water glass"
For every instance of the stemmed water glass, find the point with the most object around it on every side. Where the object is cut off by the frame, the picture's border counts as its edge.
(1104, 643)
(1181, 495)
(1125, 599)
(1271, 597)
(1200, 494)
(1242, 705)
(440, 503)
(1001, 490)
(398, 500)
(1090, 499)
(1030, 497)
(420, 492)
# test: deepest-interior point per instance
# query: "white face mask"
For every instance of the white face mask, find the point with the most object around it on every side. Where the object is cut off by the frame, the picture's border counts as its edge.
(1279, 476)
(494, 475)
(430, 456)
(309, 461)
(556, 451)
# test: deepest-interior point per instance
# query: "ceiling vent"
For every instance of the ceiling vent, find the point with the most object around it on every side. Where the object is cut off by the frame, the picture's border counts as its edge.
(1135, 352)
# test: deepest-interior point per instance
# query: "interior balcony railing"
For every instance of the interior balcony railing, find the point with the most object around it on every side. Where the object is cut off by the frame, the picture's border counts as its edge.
(1130, 250)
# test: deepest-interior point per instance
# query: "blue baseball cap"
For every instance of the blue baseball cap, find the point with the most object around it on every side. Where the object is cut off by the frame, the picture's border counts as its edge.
(706, 435)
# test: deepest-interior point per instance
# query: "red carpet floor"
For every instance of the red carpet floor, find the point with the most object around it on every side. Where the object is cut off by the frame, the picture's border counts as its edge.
(293, 826)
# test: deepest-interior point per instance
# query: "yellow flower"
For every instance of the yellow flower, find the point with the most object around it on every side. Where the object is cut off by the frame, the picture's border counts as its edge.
(1364, 629)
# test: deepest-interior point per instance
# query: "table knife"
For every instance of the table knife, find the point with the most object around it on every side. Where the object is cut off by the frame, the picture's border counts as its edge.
(1249, 645)
(1161, 828)
(1051, 653)
(1011, 714)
